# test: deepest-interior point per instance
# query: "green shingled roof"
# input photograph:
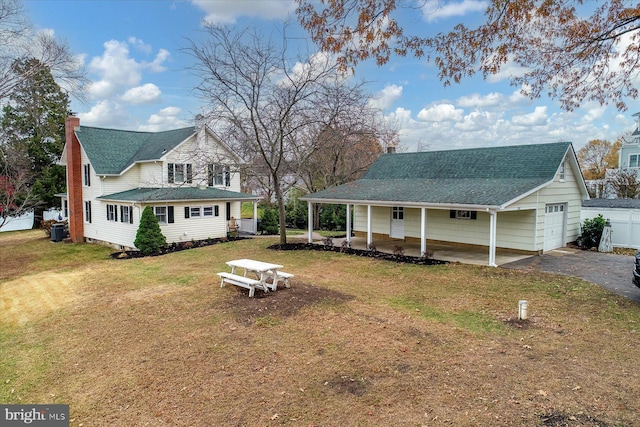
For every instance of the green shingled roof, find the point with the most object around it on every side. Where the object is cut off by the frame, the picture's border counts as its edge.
(480, 176)
(176, 194)
(112, 151)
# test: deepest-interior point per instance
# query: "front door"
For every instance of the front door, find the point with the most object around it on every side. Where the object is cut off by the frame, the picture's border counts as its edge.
(397, 223)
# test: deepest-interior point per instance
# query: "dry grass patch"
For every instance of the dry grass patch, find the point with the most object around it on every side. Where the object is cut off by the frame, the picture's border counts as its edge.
(355, 341)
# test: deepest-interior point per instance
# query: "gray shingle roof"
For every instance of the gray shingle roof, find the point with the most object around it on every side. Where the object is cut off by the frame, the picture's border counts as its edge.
(177, 194)
(490, 176)
(111, 151)
(612, 203)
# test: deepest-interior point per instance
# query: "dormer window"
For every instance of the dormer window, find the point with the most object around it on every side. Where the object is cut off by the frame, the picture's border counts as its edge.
(179, 173)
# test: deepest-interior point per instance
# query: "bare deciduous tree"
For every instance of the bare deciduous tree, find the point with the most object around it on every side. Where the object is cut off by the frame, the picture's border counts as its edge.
(19, 42)
(16, 194)
(625, 183)
(570, 56)
(261, 98)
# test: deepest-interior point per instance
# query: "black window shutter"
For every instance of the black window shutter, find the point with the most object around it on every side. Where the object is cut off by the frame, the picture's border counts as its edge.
(474, 215)
(130, 215)
(170, 173)
(186, 211)
(170, 219)
(452, 214)
(216, 210)
(108, 206)
(115, 212)
(189, 173)
(121, 214)
(228, 211)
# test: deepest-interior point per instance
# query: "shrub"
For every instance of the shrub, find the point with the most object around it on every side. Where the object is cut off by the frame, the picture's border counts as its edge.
(149, 238)
(269, 221)
(591, 232)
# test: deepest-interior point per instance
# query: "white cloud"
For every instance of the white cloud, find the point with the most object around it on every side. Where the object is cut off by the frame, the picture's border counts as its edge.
(144, 94)
(440, 113)
(476, 100)
(140, 45)
(165, 119)
(537, 118)
(433, 10)
(226, 12)
(105, 113)
(117, 70)
(477, 121)
(386, 97)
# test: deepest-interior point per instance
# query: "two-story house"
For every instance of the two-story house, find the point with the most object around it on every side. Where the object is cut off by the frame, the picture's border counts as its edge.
(188, 176)
(630, 149)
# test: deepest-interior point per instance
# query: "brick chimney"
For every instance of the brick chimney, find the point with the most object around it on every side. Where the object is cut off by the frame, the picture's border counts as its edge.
(74, 180)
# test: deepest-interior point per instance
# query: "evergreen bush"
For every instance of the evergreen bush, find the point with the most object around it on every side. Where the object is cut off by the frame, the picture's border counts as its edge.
(269, 221)
(591, 232)
(149, 238)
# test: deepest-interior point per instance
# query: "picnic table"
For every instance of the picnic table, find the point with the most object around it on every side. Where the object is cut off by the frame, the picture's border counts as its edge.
(262, 271)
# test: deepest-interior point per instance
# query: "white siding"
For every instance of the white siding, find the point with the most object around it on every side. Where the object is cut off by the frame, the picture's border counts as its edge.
(520, 227)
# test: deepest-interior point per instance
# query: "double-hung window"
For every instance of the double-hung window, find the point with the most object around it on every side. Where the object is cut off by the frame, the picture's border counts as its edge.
(179, 173)
(207, 211)
(86, 175)
(219, 175)
(112, 213)
(126, 214)
(87, 211)
(634, 160)
(161, 213)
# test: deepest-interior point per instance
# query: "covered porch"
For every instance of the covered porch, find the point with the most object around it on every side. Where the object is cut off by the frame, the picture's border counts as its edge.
(425, 231)
(442, 251)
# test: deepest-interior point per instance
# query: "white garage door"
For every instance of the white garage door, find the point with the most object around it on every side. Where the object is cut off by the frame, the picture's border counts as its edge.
(554, 226)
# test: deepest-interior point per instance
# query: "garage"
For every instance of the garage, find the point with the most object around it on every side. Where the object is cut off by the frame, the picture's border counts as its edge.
(554, 225)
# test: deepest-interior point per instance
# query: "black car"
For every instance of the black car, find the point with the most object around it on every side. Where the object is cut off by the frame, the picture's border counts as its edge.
(636, 270)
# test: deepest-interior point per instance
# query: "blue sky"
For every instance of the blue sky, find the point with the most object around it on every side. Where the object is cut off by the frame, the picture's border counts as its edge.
(132, 51)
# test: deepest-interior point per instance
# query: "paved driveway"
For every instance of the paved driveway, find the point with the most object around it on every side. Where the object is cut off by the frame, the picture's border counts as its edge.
(613, 272)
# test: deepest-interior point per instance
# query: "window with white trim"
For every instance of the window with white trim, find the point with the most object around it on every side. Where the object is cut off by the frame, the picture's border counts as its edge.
(207, 211)
(87, 211)
(86, 175)
(126, 214)
(161, 213)
(634, 160)
(463, 214)
(195, 211)
(218, 175)
(562, 171)
(112, 213)
(179, 173)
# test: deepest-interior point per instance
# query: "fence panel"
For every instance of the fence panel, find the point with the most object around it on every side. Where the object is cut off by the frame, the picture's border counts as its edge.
(625, 225)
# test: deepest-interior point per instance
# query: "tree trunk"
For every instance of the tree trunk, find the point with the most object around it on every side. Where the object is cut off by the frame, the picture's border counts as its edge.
(281, 211)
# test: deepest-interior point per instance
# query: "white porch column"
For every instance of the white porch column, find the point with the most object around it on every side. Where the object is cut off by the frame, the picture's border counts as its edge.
(310, 215)
(369, 227)
(255, 217)
(423, 231)
(492, 238)
(348, 223)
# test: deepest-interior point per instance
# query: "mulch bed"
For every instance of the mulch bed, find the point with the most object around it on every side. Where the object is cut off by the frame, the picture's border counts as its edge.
(175, 247)
(359, 252)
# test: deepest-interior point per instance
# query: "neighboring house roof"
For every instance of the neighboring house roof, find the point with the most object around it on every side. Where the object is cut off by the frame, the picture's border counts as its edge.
(494, 176)
(612, 203)
(112, 151)
(177, 194)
